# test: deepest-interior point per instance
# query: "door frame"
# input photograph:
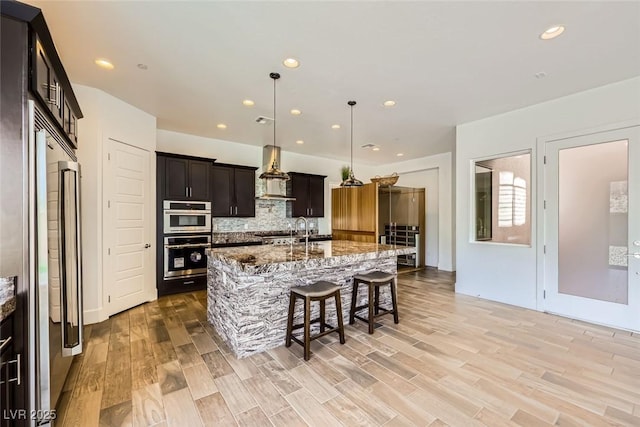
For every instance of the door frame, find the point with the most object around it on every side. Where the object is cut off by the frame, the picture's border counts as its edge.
(150, 289)
(541, 226)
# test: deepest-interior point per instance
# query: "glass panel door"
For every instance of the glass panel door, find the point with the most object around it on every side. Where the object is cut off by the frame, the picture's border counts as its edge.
(592, 264)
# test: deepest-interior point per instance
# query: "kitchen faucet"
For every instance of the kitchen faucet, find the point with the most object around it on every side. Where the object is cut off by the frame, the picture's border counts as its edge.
(306, 231)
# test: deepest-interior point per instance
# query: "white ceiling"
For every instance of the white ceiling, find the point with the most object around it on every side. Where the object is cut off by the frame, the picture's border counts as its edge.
(444, 63)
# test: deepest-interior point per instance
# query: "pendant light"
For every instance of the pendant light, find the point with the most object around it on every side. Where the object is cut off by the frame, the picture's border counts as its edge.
(352, 181)
(274, 171)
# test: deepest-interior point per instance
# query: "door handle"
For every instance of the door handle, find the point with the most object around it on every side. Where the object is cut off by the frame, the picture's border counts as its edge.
(148, 245)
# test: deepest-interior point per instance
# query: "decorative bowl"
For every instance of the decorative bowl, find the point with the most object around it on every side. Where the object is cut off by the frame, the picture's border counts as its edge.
(386, 181)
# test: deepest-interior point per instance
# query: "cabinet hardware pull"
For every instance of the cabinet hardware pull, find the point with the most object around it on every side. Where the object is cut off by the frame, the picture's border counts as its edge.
(18, 378)
(190, 282)
(236, 210)
(186, 191)
(230, 210)
(4, 343)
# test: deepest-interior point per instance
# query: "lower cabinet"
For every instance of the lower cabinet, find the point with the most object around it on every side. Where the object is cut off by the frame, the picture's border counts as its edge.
(9, 376)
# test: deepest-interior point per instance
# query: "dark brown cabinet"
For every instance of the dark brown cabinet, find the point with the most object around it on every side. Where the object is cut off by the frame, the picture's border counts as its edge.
(308, 191)
(48, 87)
(234, 191)
(9, 372)
(184, 178)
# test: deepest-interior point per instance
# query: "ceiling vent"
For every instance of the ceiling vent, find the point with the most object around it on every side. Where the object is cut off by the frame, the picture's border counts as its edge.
(263, 120)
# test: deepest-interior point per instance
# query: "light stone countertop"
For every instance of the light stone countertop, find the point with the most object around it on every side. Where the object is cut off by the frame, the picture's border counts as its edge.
(7, 298)
(269, 258)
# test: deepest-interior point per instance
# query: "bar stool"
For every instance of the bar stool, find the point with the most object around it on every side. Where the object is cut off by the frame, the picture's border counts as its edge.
(318, 291)
(374, 280)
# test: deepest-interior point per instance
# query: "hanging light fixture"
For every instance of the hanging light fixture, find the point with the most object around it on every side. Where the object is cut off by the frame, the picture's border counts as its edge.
(352, 181)
(274, 171)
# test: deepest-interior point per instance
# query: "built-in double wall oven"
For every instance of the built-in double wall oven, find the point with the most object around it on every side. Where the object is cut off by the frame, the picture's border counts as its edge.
(187, 234)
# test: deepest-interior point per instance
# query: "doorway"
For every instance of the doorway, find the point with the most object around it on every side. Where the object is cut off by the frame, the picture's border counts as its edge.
(592, 232)
(128, 232)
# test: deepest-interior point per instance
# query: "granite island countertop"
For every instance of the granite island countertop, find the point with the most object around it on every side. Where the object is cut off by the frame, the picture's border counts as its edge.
(248, 287)
(272, 258)
(7, 298)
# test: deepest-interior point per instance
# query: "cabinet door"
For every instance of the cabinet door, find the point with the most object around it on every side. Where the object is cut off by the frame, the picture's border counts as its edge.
(176, 179)
(70, 123)
(316, 196)
(245, 193)
(199, 180)
(300, 190)
(221, 180)
(43, 71)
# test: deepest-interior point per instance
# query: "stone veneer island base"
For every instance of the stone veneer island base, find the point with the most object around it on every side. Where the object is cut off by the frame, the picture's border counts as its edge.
(248, 287)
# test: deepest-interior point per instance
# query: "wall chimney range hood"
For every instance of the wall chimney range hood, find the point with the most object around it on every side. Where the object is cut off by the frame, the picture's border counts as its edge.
(273, 188)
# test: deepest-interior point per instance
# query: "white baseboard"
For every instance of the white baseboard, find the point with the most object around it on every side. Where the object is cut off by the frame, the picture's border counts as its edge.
(94, 316)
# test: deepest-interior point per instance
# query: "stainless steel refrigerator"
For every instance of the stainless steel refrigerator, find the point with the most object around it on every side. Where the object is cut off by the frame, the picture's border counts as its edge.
(55, 300)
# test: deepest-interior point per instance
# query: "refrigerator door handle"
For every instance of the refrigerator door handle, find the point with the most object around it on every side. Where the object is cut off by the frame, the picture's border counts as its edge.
(70, 257)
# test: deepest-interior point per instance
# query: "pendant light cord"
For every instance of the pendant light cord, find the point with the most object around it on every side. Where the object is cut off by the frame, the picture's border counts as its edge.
(274, 113)
(351, 139)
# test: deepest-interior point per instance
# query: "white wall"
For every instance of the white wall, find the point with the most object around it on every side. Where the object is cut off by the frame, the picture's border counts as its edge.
(509, 273)
(104, 117)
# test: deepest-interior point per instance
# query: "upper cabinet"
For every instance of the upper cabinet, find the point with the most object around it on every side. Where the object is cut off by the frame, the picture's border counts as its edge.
(184, 177)
(234, 191)
(51, 87)
(308, 191)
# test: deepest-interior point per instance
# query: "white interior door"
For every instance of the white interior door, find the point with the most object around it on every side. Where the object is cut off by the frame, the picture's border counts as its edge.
(592, 228)
(128, 230)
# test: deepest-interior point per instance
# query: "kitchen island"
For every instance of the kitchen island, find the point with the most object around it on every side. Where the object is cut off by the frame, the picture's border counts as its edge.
(248, 286)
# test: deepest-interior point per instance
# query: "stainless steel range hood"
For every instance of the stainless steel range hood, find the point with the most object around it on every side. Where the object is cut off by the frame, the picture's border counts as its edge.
(273, 187)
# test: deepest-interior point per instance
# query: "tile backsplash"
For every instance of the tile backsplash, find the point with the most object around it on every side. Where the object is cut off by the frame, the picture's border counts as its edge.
(270, 215)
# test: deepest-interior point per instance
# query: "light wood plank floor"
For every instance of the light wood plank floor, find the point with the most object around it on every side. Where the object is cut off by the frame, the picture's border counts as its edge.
(453, 360)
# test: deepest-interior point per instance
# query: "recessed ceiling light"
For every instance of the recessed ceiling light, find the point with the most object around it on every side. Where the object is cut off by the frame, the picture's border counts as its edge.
(376, 148)
(104, 63)
(221, 126)
(400, 154)
(300, 142)
(552, 32)
(335, 126)
(142, 66)
(248, 103)
(389, 103)
(296, 112)
(291, 63)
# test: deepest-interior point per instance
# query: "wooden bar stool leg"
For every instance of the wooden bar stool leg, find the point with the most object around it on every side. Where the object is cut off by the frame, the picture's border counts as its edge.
(377, 300)
(292, 305)
(322, 315)
(394, 301)
(307, 328)
(354, 298)
(339, 316)
(371, 316)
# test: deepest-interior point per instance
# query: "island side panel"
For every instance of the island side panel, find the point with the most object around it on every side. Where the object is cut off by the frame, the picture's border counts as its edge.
(249, 311)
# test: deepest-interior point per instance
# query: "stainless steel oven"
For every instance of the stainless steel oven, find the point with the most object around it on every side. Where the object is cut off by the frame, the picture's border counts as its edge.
(184, 256)
(186, 217)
